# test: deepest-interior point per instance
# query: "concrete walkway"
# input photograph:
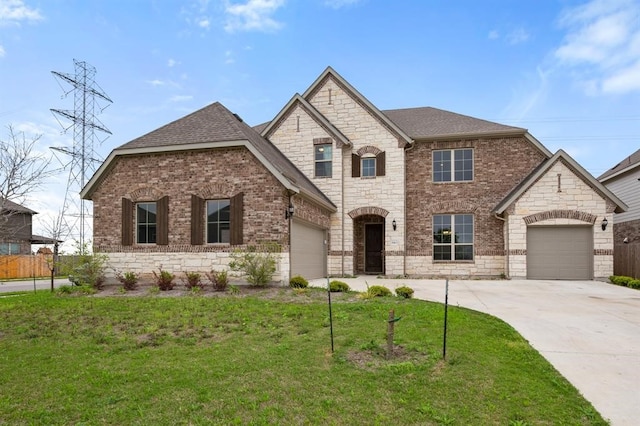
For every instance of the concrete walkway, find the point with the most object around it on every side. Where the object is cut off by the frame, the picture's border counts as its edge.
(588, 330)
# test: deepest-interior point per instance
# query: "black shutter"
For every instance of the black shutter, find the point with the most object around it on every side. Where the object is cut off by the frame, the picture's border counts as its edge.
(380, 164)
(127, 222)
(237, 214)
(163, 221)
(197, 220)
(355, 165)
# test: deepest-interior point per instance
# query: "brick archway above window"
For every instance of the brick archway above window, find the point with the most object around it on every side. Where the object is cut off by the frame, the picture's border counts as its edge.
(217, 190)
(360, 211)
(368, 150)
(455, 207)
(145, 193)
(560, 214)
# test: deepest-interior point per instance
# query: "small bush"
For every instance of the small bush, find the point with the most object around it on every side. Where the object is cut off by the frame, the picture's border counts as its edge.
(379, 291)
(634, 284)
(129, 280)
(219, 280)
(259, 267)
(298, 282)
(164, 280)
(625, 281)
(193, 280)
(338, 286)
(404, 292)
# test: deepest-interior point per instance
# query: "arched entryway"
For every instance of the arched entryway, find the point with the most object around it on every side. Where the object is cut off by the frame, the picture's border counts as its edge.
(369, 240)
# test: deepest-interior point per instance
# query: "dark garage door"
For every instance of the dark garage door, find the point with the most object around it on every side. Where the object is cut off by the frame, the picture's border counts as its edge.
(560, 252)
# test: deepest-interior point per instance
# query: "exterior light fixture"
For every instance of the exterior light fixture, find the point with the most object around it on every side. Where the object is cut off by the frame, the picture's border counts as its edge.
(394, 224)
(605, 222)
(288, 213)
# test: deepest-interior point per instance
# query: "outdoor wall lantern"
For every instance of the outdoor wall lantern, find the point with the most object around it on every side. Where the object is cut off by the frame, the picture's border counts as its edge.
(288, 213)
(605, 222)
(394, 224)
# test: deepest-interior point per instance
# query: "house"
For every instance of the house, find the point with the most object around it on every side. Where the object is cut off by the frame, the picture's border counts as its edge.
(16, 234)
(345, 188)
(623, 180)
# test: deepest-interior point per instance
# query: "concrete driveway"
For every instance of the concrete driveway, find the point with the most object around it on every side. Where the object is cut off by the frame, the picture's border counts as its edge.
(588, 330)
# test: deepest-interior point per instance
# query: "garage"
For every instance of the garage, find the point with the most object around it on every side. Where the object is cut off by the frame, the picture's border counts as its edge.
(308, 250)
(560, 252)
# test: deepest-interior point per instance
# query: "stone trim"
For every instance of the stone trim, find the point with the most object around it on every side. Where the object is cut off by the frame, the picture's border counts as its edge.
(322, 141)
(217, 190)
(518, 252)
(181, 248)
(393, 252)
(360, 211)
(560, 214)
(341, 253)
(454, 207)
(368, 150)
(487, 252)
(426, 252)
(603, 252)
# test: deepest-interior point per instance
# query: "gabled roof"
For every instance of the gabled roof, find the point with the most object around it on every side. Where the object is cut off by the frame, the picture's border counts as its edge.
(298, 100)
(373, 110)
(543, 168)
(213, 126)
(629, 163)
(8, 205)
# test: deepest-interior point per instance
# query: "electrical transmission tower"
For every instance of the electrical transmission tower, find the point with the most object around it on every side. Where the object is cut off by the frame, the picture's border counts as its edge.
(82, 158)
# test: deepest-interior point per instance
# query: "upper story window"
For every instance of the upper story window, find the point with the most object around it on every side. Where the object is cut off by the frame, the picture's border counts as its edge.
(9, 248)
(453, 165)
(368, 167)
(453, 237)
(218, 221)
(323, 160)
(146, 223)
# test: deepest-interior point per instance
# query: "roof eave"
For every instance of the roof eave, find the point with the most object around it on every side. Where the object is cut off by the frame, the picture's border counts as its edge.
(620, 172)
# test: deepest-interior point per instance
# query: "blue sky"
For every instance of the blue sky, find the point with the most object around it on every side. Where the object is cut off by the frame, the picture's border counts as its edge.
(567, 70)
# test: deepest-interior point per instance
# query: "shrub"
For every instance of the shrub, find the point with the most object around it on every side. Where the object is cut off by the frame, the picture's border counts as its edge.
(219, 280)
(129, 280)
(193, 280)
(258, 267)
(164, 280)
(89, 269)
(634, 284)
(298, 282)
(379, 291)
(404, 292)
(338, 286)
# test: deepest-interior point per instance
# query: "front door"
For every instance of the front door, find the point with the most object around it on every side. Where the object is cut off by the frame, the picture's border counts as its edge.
(373, 248)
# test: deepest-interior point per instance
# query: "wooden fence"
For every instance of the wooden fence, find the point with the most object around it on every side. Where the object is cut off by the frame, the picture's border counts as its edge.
(24, 266)
(626, 260)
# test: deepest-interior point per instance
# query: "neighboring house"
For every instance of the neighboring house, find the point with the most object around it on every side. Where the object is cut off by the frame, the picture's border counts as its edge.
(16, 229)
(346, 188)
(624, 181)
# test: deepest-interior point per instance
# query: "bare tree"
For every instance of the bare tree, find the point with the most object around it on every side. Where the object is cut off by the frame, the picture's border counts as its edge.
(22, 171)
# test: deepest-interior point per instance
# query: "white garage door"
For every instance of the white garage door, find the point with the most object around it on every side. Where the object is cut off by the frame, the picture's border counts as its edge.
(308, 251)
(560, 252)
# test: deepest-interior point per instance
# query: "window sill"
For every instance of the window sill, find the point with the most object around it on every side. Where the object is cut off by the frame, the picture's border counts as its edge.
(454, 261)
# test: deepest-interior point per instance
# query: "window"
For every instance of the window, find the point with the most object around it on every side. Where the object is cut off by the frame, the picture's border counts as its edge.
(453, 237)
(458, 170)
(9, 248)
(369, 167)
(218, 221)
(146, 223)
(323, 160)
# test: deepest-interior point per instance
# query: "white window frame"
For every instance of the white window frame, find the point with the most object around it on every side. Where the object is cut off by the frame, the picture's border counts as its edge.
(362, 167)
(461, 218)
(206, 222)
(452, 162)
(318, 148)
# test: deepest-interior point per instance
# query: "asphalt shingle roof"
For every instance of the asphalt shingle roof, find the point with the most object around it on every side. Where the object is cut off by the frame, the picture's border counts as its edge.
(215, 123)
(428, 122)
(631, 160)
(8, 205)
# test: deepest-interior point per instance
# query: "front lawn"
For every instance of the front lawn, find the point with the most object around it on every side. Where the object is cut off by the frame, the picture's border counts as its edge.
(265, 358)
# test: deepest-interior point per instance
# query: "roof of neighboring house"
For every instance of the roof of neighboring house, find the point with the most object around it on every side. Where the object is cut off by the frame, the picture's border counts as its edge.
(214, 126)
(543, 168)
(15, 208)
(428, 123)
(628, 163)
(39, 239)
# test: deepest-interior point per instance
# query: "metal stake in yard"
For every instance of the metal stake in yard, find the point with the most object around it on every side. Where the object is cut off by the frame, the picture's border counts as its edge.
(390, 326)
(446, 306)
(330, 313)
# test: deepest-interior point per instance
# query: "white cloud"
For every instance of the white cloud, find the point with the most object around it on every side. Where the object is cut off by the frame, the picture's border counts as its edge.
(254, 15)
(493, 35)
(2, 51)
(204, 23)
(180, 98)
(602, 45)
(172, 63)
(228, 55)
(337, 4)
(517, 36)
(16, 11)
(156, 82)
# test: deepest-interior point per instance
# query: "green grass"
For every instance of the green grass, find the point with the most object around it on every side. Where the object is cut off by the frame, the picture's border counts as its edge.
(265, 358)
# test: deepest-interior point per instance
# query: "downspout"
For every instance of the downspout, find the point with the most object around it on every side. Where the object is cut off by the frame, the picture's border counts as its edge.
(505, 235)
(289, 219)
(342, 217)
(404, 251)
